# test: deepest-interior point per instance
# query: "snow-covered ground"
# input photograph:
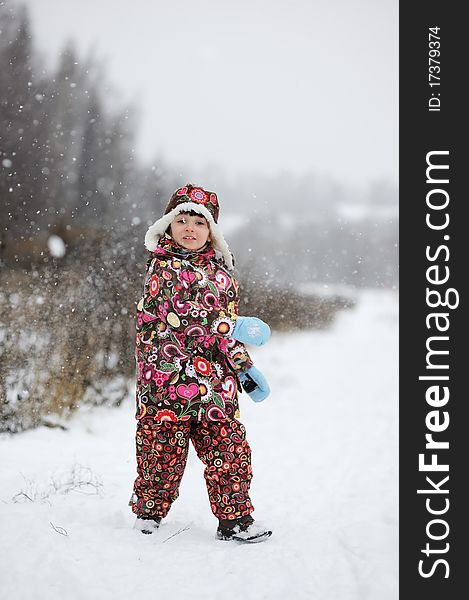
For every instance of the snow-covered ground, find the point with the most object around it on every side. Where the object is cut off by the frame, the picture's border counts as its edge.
(325, 462)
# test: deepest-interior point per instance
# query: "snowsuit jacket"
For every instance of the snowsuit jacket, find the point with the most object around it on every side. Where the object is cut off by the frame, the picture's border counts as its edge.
(187, 362)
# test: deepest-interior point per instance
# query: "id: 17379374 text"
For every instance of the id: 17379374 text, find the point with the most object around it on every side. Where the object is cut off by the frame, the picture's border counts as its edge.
(434, 52)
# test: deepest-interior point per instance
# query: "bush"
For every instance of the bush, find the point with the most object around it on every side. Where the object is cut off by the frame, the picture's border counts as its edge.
(68, 334)
(287, 309)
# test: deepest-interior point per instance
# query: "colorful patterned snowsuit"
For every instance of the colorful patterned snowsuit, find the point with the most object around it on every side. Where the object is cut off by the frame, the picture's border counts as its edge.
(187, 382)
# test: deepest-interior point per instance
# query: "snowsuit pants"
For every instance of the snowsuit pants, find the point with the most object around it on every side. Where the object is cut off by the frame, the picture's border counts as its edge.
(162, 450)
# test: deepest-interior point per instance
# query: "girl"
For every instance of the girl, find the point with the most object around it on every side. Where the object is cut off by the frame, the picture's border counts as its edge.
(191, 362)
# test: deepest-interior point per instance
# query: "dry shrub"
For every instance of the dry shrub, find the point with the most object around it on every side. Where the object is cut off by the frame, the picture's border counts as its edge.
(68, 329)
(289, 309)
(65, 338)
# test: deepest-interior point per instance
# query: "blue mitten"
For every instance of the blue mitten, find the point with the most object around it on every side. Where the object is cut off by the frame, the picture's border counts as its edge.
(251, 330)
(255, 384)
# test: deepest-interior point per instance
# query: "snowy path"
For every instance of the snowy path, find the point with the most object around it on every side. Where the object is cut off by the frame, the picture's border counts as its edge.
(325, 478)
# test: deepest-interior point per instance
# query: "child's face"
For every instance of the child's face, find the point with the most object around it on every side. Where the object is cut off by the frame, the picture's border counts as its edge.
(190, 231)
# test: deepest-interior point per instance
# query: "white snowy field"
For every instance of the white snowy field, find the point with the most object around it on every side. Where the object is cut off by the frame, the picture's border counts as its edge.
(325, 460)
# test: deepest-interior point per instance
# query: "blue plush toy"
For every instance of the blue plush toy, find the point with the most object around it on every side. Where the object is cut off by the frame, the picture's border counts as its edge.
(251, 330)
(255, 384)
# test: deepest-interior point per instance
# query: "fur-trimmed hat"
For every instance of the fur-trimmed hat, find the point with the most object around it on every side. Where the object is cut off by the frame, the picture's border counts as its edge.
(186, 199)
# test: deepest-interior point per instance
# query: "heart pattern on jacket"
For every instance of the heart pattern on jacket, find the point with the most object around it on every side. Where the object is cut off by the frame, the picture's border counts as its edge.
(187, 391)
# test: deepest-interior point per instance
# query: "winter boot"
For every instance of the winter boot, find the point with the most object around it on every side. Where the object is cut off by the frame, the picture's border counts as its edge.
(147, 524)
(242, 530)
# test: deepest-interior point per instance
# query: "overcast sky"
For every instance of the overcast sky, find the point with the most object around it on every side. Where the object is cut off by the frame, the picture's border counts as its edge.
(249, 85)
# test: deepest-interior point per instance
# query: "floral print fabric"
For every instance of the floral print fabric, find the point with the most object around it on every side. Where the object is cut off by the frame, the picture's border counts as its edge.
(162, 451)
(187, 362)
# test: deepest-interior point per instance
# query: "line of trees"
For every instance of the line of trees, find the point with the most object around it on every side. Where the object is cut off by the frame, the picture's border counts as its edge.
(67, 167)
(66, 162)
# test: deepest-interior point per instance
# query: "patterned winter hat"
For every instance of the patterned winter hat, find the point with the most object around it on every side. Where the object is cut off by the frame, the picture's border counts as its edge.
(186, 199)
